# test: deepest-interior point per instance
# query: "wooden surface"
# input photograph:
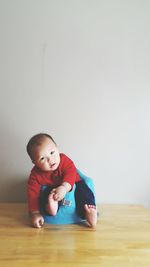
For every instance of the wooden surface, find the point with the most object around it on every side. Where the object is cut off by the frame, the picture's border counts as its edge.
(121, 239)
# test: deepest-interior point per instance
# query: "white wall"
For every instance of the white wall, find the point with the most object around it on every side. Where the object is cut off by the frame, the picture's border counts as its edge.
(79, 70)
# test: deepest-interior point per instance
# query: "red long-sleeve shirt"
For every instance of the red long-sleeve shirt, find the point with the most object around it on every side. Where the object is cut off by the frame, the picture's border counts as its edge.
(66, 172)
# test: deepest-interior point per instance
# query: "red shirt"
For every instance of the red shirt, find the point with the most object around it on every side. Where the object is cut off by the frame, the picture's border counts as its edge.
(66, 172)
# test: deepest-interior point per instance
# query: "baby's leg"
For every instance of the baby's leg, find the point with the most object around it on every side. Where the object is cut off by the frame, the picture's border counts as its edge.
(91, 215)
(52, 205)
(85, 203)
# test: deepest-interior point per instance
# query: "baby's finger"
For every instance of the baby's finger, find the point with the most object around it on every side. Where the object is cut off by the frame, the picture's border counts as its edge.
(53, 190)
(39, 224)
(42, 221)
(36, 225)
(56, 197)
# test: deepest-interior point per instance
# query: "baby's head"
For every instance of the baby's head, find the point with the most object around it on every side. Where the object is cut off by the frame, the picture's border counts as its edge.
(43, 152)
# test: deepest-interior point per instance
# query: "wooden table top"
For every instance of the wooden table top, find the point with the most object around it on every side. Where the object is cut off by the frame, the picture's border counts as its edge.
(121, 239)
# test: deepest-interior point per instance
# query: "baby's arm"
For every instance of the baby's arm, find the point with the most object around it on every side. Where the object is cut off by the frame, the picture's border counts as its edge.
(34, 187)
(37, 219)
(60, 191)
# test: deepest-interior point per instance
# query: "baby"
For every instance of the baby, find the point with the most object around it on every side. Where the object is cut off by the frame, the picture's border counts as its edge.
(59, 173)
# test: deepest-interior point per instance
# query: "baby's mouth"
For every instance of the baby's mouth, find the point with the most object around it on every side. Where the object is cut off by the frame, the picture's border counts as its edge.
(52, 165)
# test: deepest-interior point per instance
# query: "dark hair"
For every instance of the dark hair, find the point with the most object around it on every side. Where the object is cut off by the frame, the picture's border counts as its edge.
(37, 140)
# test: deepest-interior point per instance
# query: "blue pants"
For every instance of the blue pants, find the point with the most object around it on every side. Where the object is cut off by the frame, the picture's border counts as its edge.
(83, 195)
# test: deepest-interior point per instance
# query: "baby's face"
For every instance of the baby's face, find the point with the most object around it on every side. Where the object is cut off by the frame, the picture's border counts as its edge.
(46, 156)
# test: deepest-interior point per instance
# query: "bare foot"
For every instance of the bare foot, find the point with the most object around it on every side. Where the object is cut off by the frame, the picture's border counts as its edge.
(52, 205)
(91, 215)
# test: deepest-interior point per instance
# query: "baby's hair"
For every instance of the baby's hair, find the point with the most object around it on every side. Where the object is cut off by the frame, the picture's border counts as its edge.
(36, 140)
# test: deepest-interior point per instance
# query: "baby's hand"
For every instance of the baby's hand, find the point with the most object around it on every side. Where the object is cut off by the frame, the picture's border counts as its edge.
(37, 220)
(59, 192)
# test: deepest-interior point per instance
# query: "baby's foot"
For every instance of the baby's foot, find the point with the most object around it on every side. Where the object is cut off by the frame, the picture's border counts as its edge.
(52, 205)
(91, 215)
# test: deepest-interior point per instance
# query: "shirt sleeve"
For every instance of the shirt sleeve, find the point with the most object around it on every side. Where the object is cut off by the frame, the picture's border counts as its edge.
(33, 192)
(69, 171)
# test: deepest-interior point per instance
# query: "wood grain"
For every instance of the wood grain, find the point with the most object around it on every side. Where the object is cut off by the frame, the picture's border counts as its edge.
(121, 239)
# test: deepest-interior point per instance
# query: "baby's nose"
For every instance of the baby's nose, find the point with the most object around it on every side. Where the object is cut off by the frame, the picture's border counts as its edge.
(50, 160)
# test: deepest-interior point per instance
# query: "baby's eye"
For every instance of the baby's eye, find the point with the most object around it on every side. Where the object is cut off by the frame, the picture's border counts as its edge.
(41, 159)
(52, 152)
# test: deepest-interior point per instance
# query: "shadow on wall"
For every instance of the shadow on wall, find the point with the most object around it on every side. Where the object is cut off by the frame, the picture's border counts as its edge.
(15, 190)
(12, 163)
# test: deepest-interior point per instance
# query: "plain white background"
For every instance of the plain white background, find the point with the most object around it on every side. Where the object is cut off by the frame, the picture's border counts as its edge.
(80, 71)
